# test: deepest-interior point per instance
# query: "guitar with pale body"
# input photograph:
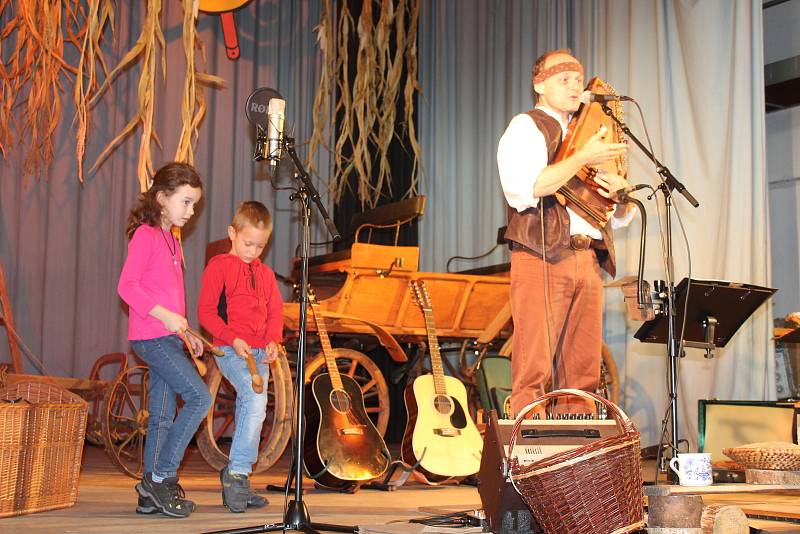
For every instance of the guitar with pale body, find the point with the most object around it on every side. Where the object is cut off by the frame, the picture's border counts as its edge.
(341, 444)
(440, 438)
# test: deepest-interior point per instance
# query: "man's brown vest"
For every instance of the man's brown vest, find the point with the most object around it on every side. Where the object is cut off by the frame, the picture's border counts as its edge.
(524, 228)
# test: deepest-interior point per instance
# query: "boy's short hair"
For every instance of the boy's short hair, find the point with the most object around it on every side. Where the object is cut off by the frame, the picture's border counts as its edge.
(253, 213)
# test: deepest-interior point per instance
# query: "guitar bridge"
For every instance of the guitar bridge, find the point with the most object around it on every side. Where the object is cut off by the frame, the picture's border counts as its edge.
(352, 431)
(447, 432)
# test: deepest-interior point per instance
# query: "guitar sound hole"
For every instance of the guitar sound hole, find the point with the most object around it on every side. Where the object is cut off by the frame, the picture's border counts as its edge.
(340, 400)
(443, 404)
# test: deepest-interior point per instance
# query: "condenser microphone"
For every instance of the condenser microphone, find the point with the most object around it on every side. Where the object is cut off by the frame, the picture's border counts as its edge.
(588, 96)
(257, 109)
(276, 117)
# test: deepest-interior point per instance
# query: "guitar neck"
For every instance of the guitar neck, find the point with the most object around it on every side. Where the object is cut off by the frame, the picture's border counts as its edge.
(437, 368)
(327, 349)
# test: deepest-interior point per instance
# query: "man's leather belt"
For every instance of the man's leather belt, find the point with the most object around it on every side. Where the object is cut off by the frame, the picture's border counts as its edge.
(580, 242)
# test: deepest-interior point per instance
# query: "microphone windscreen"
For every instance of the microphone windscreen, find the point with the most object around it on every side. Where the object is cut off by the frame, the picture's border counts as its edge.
(586, 97)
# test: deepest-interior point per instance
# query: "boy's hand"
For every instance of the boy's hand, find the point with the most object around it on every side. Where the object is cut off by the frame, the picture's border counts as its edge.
(271, 352)
(241, 347)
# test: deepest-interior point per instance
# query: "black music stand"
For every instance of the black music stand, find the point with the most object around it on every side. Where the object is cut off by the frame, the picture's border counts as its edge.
(715, 312)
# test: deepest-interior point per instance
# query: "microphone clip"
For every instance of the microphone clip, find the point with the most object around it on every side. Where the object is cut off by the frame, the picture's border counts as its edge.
(260, 149)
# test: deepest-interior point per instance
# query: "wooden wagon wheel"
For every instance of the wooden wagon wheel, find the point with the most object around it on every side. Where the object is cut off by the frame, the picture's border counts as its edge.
(118, 361)
(363, 370)
(213, 435)
(125, 416)
(609, 377)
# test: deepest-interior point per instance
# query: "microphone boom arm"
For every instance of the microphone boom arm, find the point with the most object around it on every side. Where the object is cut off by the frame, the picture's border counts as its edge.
(313, 194)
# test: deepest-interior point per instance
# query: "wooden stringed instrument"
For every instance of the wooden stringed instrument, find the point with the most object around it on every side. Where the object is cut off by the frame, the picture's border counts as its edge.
(341, 444)
(440, 437)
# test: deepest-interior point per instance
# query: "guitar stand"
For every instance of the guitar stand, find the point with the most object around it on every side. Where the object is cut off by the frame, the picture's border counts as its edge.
(408, 471)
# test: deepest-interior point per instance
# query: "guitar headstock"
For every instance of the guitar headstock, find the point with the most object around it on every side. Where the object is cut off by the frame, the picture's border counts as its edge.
(420, 294)
(312, 297)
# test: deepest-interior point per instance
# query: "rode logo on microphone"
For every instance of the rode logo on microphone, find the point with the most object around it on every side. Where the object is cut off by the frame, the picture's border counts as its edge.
(257, 107)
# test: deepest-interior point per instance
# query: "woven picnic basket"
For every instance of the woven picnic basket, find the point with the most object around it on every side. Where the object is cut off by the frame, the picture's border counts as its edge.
(41, 444)
(772, 455)
(593, 489)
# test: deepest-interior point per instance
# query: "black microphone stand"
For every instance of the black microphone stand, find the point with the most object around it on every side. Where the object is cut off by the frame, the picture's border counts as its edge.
(297, 517)
(674, 351)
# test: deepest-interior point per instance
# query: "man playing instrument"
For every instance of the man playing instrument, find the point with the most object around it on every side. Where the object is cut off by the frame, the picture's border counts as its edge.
(556, 289)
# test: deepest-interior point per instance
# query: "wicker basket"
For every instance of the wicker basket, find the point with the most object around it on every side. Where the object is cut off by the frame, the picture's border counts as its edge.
(41, 444)
(774, 455)
(593, 489)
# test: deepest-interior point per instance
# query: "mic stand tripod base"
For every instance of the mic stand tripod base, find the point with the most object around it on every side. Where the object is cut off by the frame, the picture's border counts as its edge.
(296, 519)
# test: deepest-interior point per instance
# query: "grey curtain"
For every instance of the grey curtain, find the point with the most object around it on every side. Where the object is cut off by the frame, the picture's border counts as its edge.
(696, 67)
(62, 243)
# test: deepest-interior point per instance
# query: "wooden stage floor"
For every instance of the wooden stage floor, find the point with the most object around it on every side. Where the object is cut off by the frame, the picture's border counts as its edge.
(106, 503)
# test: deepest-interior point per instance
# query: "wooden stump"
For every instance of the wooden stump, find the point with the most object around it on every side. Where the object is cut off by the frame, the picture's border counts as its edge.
(769, 476)
(674, 511)
(724, 519)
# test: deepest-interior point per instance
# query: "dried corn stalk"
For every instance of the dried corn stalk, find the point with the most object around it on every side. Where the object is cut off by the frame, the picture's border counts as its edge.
(193, 104)
(366, 107)
(31, 78)
(99, 15)
(147, 47)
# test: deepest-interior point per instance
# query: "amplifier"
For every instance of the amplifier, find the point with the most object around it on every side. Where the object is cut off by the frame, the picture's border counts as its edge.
(505, 510)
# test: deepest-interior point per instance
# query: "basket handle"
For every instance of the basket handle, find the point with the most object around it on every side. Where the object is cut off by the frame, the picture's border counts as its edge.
(621, 418)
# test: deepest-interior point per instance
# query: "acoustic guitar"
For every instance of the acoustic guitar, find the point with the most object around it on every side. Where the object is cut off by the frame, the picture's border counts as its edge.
(341, 445)
(440, 437)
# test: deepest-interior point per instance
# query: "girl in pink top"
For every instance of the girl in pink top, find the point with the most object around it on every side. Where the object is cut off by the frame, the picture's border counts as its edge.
(151, 284)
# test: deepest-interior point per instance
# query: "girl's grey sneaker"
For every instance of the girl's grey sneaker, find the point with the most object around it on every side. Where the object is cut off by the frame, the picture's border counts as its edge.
(167, 496)
(146, 506)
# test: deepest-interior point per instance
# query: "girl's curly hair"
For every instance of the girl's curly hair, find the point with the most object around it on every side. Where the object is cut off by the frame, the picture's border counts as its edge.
(167, 179)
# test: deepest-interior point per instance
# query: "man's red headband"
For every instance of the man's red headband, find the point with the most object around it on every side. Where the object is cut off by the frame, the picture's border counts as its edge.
(556, 69)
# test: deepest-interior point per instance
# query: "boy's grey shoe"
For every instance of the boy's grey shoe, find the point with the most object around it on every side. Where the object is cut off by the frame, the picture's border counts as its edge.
(167, 496)
(254, 500)
(236, 492)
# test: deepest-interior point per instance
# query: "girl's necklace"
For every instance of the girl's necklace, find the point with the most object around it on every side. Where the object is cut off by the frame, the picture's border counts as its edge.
(173, 249)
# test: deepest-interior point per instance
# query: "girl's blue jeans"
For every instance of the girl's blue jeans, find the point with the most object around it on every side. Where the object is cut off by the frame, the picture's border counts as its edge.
(171, 374)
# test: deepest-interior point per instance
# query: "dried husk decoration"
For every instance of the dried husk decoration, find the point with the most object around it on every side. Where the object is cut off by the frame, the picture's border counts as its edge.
(147, 46)
(31, 78)
(321, 112)
(193, 103)
(99, 15)
(367, 107)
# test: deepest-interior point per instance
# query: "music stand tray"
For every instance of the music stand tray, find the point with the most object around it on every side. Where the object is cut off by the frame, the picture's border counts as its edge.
(715, 312)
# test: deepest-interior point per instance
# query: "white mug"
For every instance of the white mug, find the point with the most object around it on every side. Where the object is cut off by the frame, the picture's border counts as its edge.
(694, 468)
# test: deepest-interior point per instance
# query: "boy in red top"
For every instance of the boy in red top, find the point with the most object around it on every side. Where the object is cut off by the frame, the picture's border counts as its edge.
(240, 306)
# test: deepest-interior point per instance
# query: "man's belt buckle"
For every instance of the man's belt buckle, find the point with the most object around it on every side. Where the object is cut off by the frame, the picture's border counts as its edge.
(580, 242)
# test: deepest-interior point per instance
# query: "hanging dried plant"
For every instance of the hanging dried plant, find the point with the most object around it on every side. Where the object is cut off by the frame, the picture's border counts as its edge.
(147, 47)
(193, 103)
(321, 111)
(33, 74)
(366, 104)
(100, 14)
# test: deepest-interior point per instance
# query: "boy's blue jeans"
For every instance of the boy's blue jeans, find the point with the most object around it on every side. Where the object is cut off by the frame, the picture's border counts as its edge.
(171, 374)
(251, 408)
